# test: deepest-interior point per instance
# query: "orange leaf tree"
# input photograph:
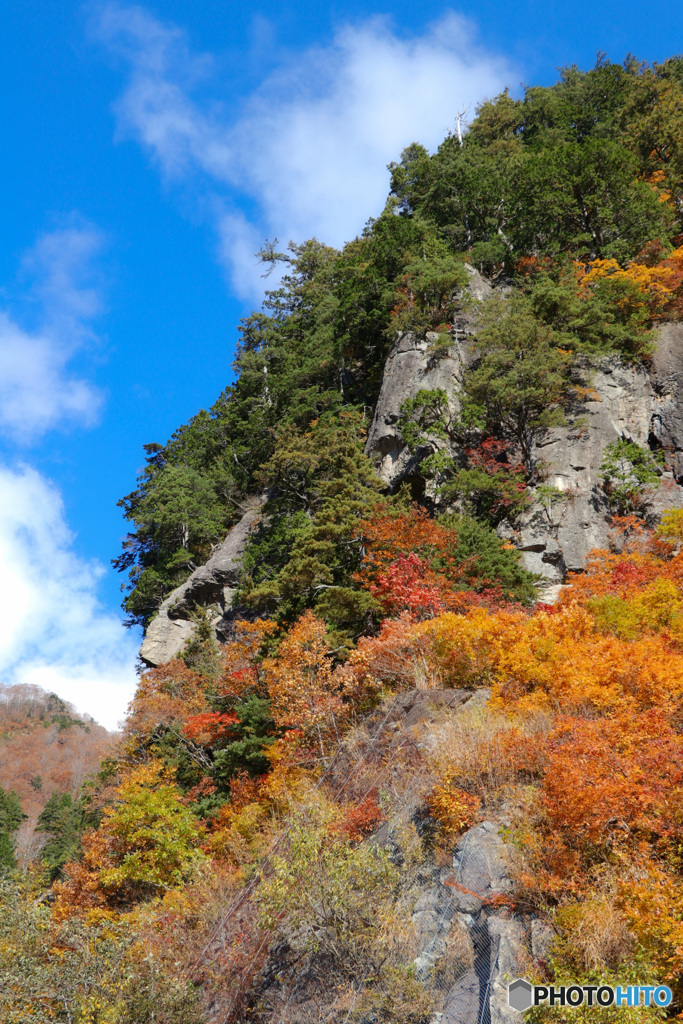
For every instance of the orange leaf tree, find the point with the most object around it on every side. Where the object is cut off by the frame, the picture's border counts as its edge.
(303, 690)
(146, 842)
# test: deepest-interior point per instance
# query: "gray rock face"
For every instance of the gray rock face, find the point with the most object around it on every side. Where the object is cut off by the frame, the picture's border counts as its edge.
(210, 584)
(415, 363)
(464, 1004)
(626, 405)
(478, 287)
(641, 403)
(434, 916)
(164, 638)
(508, 939)
(666, 374)
(470, 945)
(480, 864)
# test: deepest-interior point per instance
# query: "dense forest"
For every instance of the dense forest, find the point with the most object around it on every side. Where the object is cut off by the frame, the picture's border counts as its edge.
(253, 847)
(47, 753)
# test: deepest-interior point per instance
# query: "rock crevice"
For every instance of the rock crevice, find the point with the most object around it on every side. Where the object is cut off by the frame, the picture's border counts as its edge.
(471, 944)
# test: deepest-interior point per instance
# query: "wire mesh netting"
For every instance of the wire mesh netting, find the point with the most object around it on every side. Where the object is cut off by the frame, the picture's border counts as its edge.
(391, 928)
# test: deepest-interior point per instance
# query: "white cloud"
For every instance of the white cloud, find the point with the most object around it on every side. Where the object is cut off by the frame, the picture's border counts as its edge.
(37, 389)
(54, 632)
(308, 150)
(239, 240)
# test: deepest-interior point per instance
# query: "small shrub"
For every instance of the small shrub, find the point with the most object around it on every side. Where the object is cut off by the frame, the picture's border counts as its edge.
(628, 474)
(453, 808)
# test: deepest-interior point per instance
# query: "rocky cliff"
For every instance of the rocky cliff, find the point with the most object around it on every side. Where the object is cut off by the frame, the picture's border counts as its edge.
(637, 402)
(211, 585)
(640, 403)
(415, 363)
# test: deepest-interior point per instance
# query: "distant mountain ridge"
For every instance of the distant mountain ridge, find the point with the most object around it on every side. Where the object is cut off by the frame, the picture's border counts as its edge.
(46, 747)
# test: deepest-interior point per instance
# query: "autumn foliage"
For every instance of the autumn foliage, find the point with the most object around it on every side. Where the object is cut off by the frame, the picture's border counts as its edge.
(411, 564)
(146, 842)
(360, 819)
(264, 763)
(653, 288)
(615, 782)
(452, 807)
(46, 748)
(166, 694)
(392, 533)
(303, 693)
(209, 727)
(582, 731)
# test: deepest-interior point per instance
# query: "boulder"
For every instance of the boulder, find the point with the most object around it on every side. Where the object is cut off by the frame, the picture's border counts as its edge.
(164, 639)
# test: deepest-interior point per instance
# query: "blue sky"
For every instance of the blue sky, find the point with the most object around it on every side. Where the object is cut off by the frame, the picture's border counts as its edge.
(147, 153)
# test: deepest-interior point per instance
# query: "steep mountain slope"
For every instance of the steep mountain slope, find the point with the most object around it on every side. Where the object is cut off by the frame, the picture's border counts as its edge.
(568, 514)
(567, 205)
(369, 776)
(45, 748)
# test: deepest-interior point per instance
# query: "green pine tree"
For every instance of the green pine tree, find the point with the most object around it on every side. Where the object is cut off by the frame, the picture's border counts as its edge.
(11, 817)
(63, 820)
